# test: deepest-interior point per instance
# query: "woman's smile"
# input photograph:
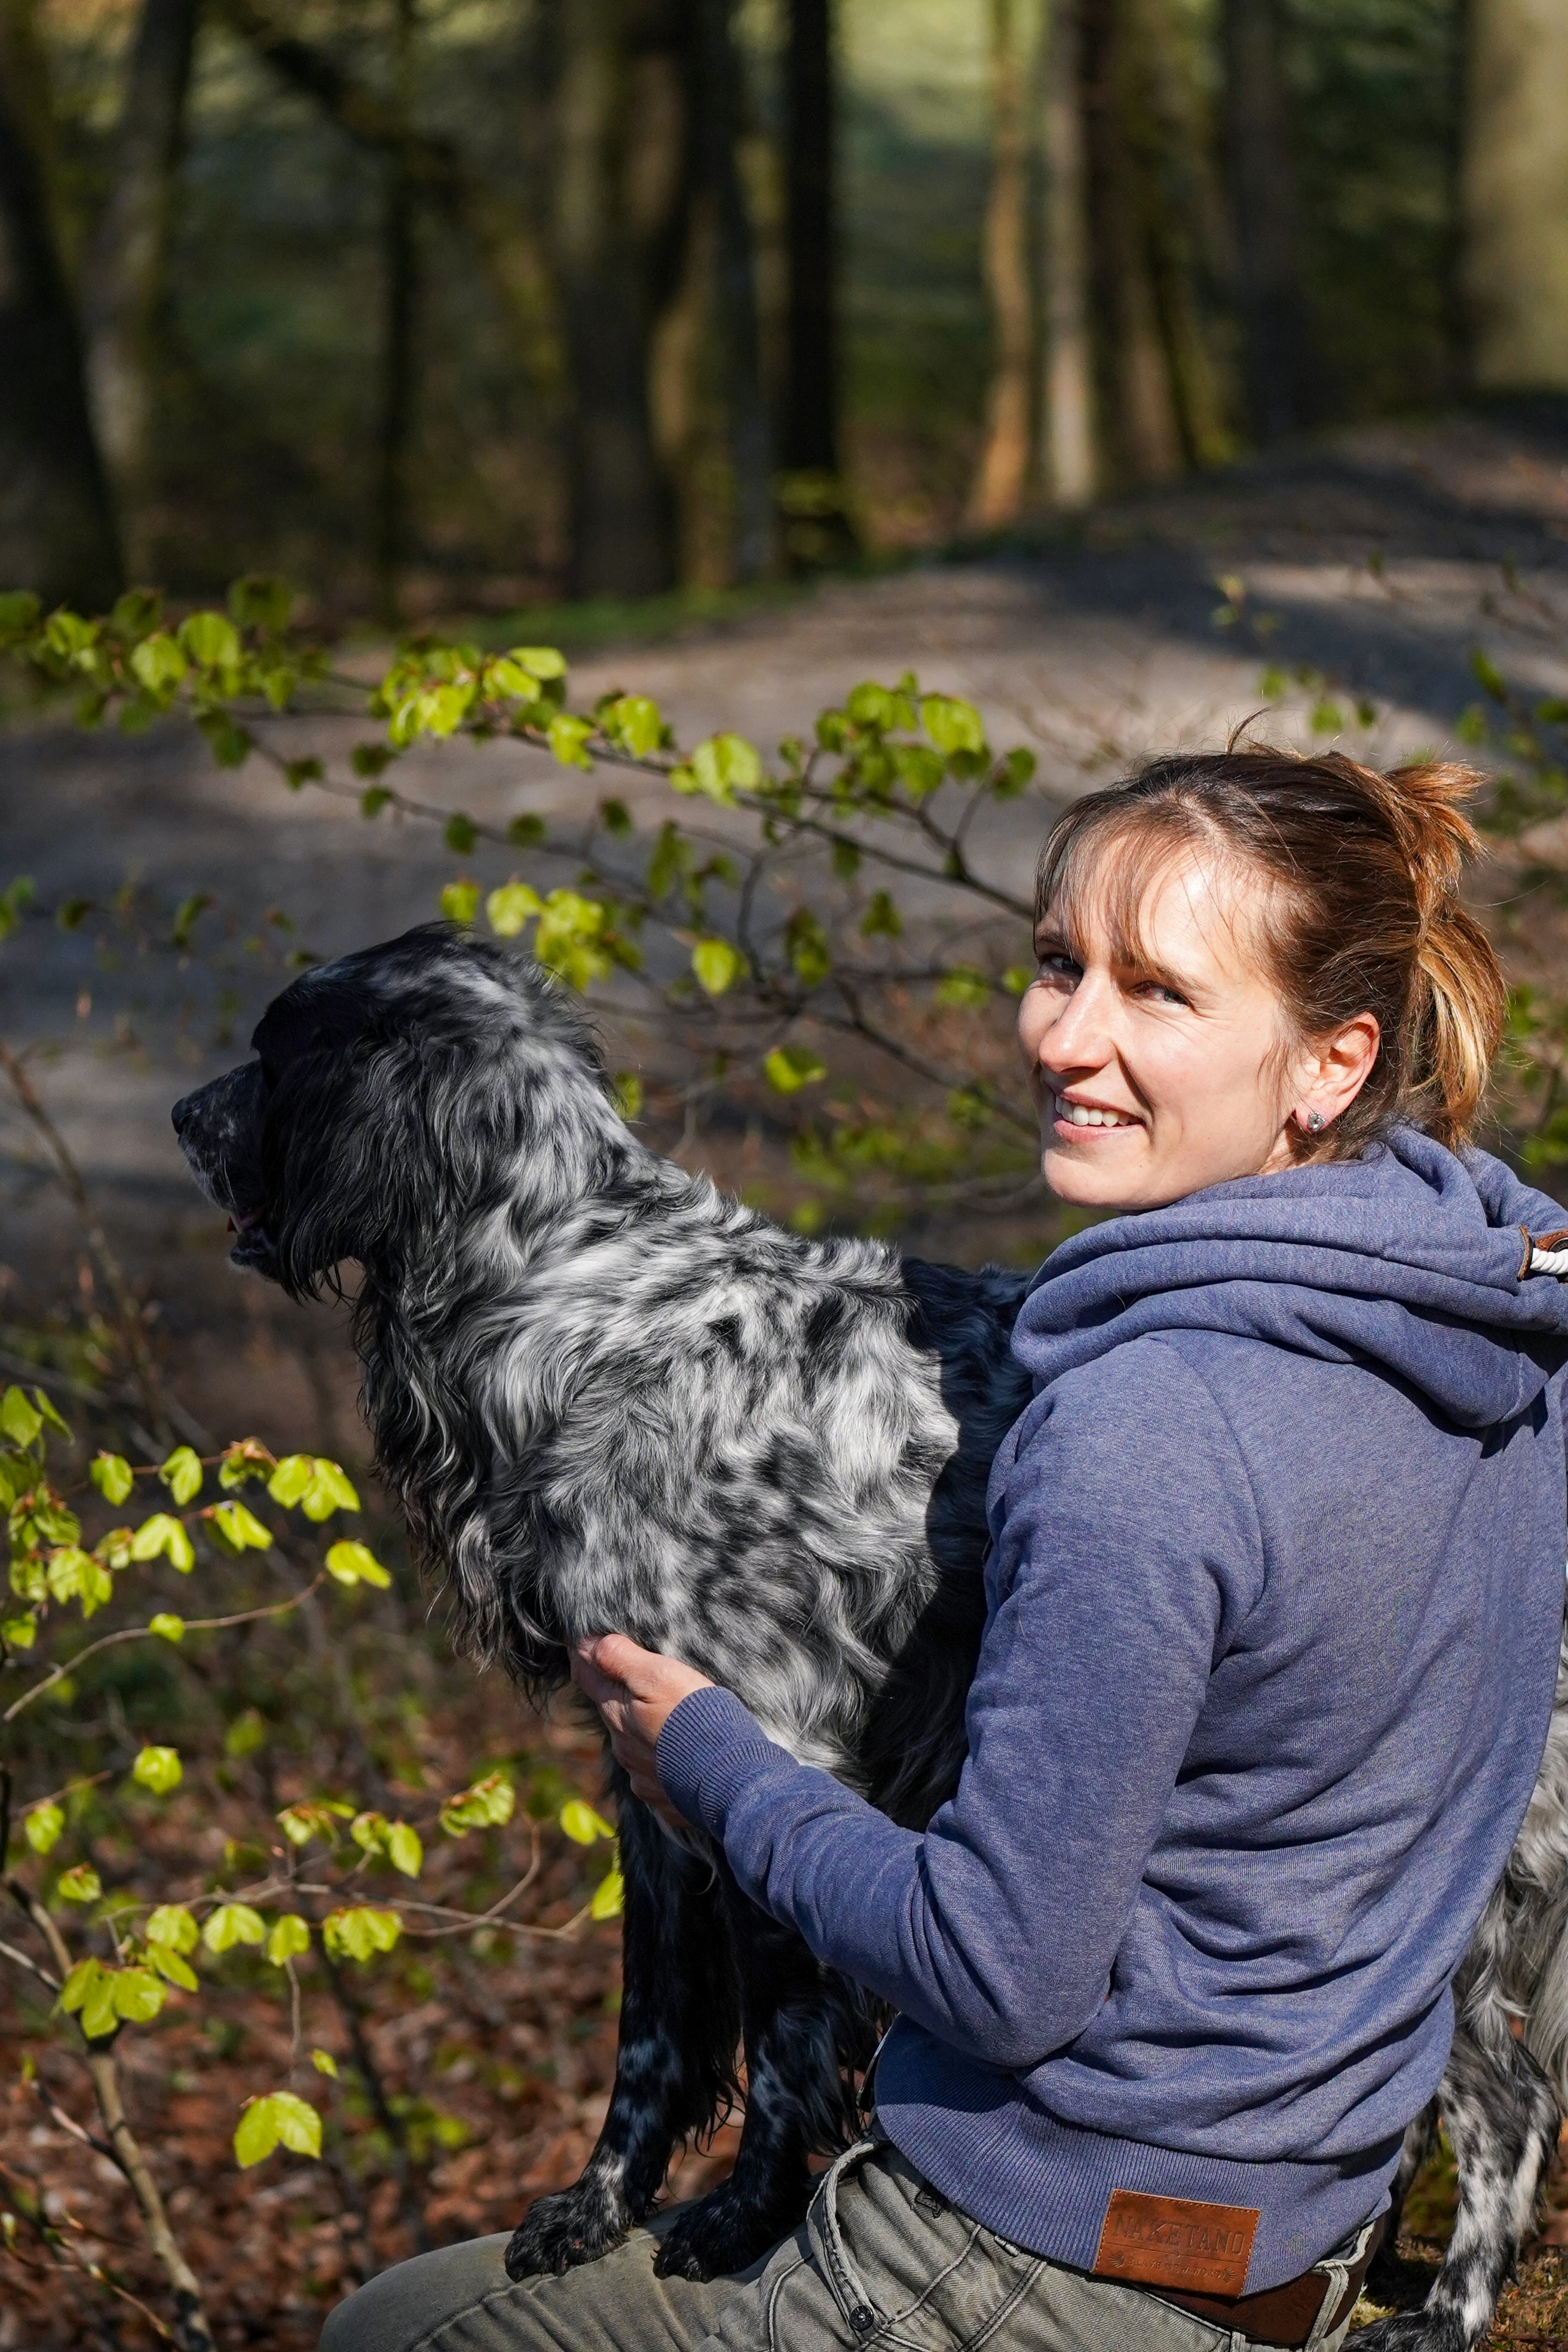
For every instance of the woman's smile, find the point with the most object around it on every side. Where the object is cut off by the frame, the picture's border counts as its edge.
(1073, 1117)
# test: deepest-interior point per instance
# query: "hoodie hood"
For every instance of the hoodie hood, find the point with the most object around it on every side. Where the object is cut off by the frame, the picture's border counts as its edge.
(1408, 1261)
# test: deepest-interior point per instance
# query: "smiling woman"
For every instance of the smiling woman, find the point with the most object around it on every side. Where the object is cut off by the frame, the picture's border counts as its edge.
(1260, 1699)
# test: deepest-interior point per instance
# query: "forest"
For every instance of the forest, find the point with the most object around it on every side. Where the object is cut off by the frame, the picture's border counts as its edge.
(688, 488)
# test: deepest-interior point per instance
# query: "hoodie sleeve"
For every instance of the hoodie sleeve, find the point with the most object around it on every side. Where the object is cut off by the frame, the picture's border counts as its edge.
(1126, 1550)
(1507, 1202)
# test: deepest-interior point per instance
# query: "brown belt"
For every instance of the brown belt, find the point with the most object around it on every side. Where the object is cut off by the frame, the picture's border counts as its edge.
(1283, 2315)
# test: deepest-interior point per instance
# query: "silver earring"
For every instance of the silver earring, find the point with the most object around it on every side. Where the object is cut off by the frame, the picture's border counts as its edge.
(1316, 1122)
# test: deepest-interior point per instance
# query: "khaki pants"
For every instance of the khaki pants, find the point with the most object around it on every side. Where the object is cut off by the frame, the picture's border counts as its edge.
(880, 2262)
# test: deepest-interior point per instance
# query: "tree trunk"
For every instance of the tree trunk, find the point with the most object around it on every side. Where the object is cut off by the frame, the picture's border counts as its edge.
(622, 187)
(394, 424)
(123, 288)
(1135, 388)
(1180, 211)
(998, 489)
(1277, 361)
(56, 523)
(1067, 435)
(818, 528)
(719, 114)
(1515, 195)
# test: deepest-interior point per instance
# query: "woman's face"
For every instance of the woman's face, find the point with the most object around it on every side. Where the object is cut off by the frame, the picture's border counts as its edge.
(1156, 1076)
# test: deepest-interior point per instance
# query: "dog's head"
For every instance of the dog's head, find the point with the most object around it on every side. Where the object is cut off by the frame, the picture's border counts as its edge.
(392, 1094)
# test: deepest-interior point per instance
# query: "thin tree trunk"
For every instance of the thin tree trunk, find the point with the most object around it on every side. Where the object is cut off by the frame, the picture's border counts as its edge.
(1179, 211)
(394, 424)
(719, 112)
(124, 282)
(1068, 423)
(513, 257)
(1515, 273)
(998, 487)
(1135, 384)
(1278, 355)
(58, 532)
(818, 528)
(621, 193)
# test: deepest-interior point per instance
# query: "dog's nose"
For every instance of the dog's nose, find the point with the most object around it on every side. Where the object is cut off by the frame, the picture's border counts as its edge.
(182, 1112)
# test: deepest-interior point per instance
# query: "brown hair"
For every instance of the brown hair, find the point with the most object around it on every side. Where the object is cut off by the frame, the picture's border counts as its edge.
(1365, 912)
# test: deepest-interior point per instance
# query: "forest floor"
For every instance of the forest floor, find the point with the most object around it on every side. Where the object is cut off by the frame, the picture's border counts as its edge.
(1372, 566)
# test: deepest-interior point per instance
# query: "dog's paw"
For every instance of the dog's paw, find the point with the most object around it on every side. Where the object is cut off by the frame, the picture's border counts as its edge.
(565, 2230)
(723, 2234)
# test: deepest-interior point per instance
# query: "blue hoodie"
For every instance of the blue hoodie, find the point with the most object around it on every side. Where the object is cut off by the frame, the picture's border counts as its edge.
(1276, 1589)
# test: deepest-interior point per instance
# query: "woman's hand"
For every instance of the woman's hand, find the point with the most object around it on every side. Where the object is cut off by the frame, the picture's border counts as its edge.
(634, 1691)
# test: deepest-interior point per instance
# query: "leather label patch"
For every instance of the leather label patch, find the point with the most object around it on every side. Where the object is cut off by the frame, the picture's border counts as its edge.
(1176, 2241)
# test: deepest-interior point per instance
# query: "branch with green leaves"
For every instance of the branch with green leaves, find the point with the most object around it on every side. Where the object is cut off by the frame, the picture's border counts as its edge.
(330, 1878)
(823, 906)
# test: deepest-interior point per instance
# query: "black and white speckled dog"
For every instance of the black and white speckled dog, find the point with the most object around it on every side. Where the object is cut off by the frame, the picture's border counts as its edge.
(606, 1396)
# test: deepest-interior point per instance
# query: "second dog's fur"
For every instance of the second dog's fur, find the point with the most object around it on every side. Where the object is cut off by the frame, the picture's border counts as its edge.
(609, 1398)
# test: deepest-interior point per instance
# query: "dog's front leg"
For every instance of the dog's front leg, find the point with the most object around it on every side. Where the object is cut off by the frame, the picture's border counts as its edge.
(679, 2027)
(797, 2100)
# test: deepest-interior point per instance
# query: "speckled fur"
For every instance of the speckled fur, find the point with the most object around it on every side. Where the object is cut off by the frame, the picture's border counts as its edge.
(606, 1396)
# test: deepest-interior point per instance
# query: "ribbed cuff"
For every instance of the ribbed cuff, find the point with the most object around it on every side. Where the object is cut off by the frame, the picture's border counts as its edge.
(706, 1750)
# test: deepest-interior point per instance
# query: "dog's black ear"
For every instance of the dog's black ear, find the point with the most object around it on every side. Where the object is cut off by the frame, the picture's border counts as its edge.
(377, 1152)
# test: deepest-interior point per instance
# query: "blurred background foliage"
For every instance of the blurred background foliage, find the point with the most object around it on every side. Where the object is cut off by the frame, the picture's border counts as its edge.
(449, 305)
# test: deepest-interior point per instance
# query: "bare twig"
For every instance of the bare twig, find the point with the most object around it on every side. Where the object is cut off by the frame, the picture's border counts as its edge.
(144, 1633)
(192, 2331)
(128, 1316)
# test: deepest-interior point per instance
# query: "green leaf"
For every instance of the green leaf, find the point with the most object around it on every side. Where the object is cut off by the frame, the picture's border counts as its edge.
(539, 661)
(526, 832)
(80, 1884)
(567, 737)
(459, 833)
(159, 1770)
(170, 1965)
(291, 1936)
(19, 1421)
(324, 2063)
(50, 1415)
(246, 1733)
(231, 1923)
(952, 726)
(507, 910)
(98, 2014)
(790, 1068)
(355, 1563)
(1014, 773)
(635, 721)
(167, 1626)
(1018, 977)
(806, 944)
(460, 902)
(73, 1574)
(881, 918)
(720, 767)
(260, 602)
(300, 1823)
(158, 663)
(19, 609)
(19, 1632)
(111, 1473)
(581, 1824)
(171, 1926)
(1488, 674)
(609, 1897)
(137, 1995)
(181, 1474)
(405, 1850)
(164, 1535)
(240, 1528)
(42, 1824)
(486, 1805)
(78, 1984)
(297, 773)
(717, 965)
(291, 1478)
(360, 1932)
(626, 1087)
(211, 641)
(282, 2119)
(963, 986)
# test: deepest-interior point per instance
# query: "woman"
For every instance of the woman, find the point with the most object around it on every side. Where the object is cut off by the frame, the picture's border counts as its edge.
(1275, 1592)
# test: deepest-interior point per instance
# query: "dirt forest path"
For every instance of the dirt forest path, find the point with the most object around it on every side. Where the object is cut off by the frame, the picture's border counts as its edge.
(1379, 562)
